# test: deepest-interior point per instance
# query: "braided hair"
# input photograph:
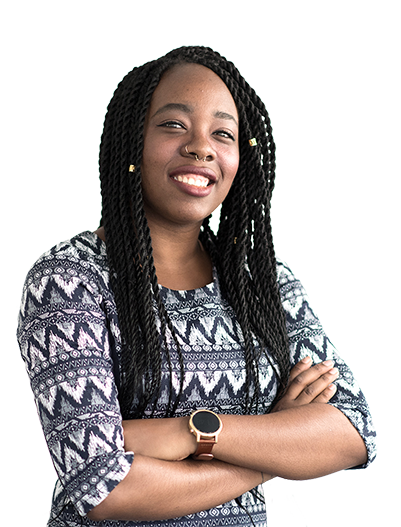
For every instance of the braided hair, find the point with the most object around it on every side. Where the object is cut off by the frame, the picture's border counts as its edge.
(242, 250)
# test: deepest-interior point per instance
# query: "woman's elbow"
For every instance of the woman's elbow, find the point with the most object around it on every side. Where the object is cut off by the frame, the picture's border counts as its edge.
(360, 456)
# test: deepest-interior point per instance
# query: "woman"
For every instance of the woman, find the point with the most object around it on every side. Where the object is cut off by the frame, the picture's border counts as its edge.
(128, 331)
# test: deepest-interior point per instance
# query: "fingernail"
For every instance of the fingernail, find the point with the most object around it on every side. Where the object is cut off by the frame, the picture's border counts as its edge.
(333, 371)
(306, 360)
(332, 387)
(328, 363)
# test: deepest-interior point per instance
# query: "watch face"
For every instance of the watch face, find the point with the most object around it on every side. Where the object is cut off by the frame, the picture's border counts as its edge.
(206, 422)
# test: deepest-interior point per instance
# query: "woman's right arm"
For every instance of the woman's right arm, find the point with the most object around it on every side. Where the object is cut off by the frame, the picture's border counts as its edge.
(158, 490)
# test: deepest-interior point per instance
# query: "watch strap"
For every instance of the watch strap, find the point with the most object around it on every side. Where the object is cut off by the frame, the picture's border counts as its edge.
(204, 449)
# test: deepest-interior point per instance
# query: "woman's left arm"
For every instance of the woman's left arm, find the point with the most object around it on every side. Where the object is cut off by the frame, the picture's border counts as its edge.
(302, 437)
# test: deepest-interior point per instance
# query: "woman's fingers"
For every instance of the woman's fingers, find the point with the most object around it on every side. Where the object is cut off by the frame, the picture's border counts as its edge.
(326, 394)
(312, 381)
(309, 384)
(300, 367)
(310, 387)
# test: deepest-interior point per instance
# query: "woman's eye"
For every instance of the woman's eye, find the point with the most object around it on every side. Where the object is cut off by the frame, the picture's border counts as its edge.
(171, 124)
(224, 133)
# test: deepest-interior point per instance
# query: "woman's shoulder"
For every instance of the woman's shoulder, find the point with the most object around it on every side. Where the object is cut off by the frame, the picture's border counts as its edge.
(284, 273)
(86, 246)
(289, 285)
(82, 255)
(73, 271)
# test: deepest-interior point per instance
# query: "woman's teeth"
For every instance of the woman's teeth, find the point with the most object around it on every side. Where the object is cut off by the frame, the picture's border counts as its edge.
(196, 182)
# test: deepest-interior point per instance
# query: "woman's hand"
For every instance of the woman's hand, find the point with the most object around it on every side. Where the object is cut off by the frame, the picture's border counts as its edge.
(168, 439)
(308, 384)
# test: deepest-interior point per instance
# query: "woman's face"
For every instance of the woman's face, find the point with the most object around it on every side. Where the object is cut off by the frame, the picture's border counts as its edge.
(192, 113)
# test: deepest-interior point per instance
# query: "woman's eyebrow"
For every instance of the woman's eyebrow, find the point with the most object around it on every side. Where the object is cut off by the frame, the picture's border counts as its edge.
(174, 106)
(225, 115)
(188, 109)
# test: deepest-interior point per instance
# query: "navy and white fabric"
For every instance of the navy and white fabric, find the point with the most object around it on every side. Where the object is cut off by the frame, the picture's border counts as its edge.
(70, 341)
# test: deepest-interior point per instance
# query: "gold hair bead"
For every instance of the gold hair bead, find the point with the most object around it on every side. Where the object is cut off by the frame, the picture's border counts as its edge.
(253, 142)
(132, 168)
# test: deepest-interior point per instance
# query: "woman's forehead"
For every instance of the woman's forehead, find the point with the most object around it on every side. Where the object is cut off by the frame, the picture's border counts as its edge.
(192, 84)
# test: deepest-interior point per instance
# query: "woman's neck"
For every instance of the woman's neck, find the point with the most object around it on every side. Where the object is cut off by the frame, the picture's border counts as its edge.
(180, 260)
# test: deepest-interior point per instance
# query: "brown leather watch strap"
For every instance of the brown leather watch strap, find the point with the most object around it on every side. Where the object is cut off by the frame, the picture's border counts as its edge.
(204, 449)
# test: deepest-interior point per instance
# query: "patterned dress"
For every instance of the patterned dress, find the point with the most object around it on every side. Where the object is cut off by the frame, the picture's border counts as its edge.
(70, 342)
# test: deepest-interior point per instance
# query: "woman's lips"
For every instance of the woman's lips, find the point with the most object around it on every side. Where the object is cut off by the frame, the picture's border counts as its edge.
(196, 181)
(190, 170)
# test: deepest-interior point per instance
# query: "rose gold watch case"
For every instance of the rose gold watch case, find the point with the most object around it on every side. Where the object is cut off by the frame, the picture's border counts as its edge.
(205, 440)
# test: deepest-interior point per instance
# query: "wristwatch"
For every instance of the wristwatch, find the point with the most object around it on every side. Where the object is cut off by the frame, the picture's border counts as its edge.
(206, 426)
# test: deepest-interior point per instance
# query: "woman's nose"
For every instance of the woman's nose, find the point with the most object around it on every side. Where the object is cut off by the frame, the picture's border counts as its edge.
(199, 149)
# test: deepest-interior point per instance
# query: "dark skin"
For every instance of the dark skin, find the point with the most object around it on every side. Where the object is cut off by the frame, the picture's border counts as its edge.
(304, 437)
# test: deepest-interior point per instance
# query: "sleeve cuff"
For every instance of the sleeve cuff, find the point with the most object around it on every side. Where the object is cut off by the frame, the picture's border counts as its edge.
(364, 425)
(89, 484)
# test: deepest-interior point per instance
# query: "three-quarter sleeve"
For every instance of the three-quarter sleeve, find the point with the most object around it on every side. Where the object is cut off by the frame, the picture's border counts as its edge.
(68, 336)
(306, 337)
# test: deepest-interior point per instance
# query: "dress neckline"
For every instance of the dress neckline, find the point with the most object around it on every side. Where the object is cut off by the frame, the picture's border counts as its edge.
(208, 288)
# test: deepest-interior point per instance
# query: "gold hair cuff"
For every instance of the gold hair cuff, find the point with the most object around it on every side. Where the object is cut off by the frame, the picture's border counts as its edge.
(132, 168)
(253, 142)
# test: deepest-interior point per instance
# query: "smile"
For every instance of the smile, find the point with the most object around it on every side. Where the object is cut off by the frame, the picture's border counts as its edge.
(196, 181)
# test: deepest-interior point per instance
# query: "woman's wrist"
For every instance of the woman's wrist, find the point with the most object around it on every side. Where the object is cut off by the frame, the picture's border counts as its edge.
(169, 439)
(189, 439)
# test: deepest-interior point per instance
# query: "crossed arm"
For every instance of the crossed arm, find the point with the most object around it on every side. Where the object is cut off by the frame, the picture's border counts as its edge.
(302, 438)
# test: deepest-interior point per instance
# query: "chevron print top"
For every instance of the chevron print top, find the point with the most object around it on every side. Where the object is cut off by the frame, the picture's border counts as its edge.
(70, 342)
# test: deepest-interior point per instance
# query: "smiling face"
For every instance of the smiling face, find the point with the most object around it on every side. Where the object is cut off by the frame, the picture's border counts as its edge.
(191, 151)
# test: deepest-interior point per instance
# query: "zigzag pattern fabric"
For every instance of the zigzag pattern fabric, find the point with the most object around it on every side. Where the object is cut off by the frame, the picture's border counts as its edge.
(70, 342)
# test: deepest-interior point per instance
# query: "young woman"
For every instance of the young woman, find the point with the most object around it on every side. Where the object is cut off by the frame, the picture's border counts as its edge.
(129, 331)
